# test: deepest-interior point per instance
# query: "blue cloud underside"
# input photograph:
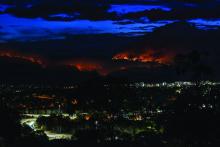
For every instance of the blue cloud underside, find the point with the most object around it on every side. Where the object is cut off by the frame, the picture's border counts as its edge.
(206, 24)
(23, 28)
(125, 8)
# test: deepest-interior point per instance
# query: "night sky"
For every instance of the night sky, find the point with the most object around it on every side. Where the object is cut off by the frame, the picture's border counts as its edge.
(71, 40)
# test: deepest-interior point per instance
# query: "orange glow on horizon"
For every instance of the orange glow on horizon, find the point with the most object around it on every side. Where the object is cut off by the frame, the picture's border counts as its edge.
(88, 65)
(149, 55)
(30, 58)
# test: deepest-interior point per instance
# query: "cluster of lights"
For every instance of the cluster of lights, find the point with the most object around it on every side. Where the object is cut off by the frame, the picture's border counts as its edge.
(174, 84)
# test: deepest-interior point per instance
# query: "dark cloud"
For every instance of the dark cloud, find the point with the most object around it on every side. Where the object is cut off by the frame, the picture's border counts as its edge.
(179, 13)
(95, 9)
(70, 10)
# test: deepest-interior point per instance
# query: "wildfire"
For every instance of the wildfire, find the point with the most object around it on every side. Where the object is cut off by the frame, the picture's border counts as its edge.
(146, 56)
(87, 65)
(74, 102)
(43, 97)
(87, 117)
(30, 58)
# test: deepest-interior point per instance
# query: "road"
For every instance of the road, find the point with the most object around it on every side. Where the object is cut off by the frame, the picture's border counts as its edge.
(30, 120)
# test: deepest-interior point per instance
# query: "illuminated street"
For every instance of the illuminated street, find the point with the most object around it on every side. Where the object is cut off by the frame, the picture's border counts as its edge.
(31, 122)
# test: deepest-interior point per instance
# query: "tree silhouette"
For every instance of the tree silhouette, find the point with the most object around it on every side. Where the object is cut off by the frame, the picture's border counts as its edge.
(10, 127)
